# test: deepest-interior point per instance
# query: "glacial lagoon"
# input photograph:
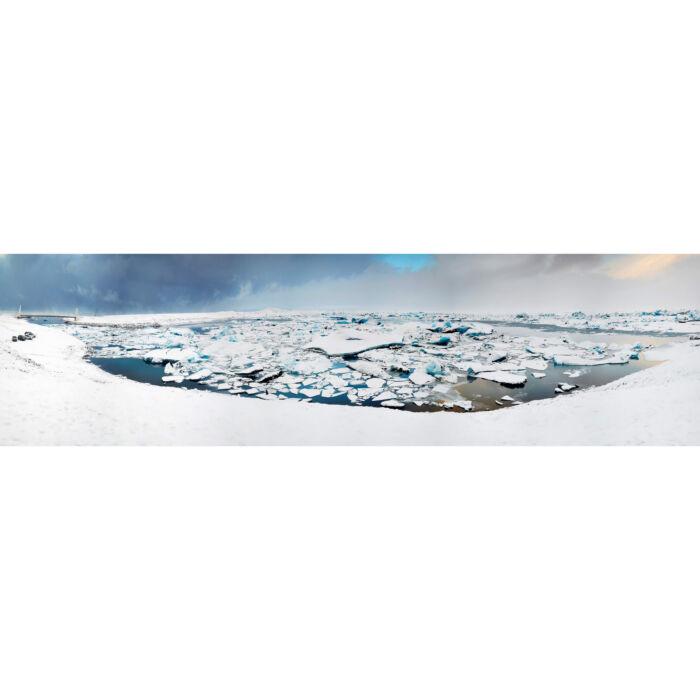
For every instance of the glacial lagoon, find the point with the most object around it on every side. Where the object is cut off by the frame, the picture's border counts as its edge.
(413, 362)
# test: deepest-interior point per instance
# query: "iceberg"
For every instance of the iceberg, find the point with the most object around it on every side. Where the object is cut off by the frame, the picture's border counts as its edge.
(580, 360)
(354, 342)
(506, 378)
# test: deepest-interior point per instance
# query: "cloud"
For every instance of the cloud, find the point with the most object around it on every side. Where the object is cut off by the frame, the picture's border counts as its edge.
(643, 266)
(468, 283)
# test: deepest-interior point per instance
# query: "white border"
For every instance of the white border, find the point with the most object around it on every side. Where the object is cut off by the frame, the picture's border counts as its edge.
(317, 573)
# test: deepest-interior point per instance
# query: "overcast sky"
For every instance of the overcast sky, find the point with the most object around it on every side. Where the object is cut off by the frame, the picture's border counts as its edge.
(480, 283)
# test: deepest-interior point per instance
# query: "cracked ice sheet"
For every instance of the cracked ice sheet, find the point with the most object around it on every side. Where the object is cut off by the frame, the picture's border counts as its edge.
(353, 342)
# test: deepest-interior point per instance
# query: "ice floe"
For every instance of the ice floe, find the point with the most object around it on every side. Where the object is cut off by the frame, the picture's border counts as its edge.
(507, 378)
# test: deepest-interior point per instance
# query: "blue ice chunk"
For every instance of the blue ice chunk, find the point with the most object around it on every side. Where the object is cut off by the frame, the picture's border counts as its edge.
(434, 369)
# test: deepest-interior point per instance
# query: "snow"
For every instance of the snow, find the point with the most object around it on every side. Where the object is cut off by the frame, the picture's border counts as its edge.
(160, 320)
(51, 395)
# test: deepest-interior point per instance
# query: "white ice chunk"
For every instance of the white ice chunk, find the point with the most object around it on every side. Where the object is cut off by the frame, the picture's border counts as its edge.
(538, 375)
(442, 388)
(370, 368)
(421, 377)
(392, 403)
(352, 342)
(535, 364)
(573, 373)
(310, 392)
(581, 360)
(176, 378)
(311, 365)
(199, 375)
(162, 355)
(504, 378)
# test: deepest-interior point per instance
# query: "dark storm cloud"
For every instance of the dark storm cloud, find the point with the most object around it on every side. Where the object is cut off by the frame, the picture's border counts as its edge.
(113, 283)
(483, 283)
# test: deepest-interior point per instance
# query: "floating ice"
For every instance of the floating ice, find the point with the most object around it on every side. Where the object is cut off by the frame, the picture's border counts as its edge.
(162, 355)
(353, 342)
(370, 368)
(563, 387)
(199, 375)
(310, 392)
(176, 378)
(420, 377)
(572, 373)
(506, 378)
(581, 360)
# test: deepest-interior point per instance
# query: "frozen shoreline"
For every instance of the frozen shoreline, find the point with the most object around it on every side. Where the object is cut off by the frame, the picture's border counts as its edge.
(51, 396)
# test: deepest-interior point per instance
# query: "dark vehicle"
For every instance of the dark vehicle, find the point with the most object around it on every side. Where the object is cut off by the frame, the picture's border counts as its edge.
(20, 337)
(28, 335)
(14, 338)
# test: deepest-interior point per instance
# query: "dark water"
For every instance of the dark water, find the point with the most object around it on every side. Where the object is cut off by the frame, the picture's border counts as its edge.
(46, 321)
(484, 393)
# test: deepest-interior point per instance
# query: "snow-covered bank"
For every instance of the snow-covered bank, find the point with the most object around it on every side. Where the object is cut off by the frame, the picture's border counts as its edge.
(181, 319)
(659, 321)
(49, 395)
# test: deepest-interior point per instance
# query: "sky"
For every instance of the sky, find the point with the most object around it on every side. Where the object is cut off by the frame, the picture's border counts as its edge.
(99, 284)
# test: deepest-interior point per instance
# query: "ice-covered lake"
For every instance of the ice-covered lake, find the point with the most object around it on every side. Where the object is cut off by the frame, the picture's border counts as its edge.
(415, 362)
